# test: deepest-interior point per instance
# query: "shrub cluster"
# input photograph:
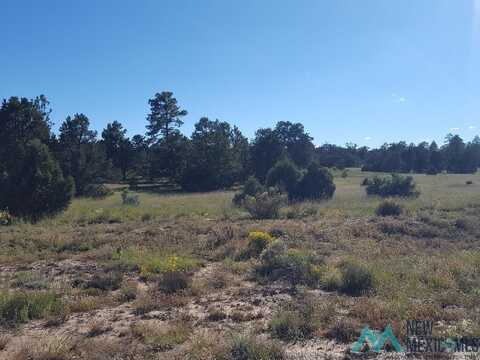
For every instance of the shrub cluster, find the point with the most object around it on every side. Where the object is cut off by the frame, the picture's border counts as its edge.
(252, 187)
(97, 191)
(257, 242)
(315, 183)
(284, 175)
(292, 265)
(265, 205)
(389, 208)
(356, 279)
(395, 185)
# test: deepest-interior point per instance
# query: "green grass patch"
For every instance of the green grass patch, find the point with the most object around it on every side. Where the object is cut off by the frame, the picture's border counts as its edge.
(149, 262)
(20, 307)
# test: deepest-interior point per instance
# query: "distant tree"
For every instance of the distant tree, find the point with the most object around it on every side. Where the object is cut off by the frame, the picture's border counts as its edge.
(164, 120)
(421, 158)
(35, 187)
(210, 163)
(167, 158)
(22, 120)
(436, 159)
(140, 155)
(81, 156)
(287, 138)
(266, 150)
(31, 182)
(296, 141)
(118, 147)
(454, 151)
(331, 155)
(241, 155)
(165, 115)
(284, 175)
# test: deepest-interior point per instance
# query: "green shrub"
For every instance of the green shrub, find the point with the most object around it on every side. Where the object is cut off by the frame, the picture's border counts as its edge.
(389, 208)
(265, 205)
(97, 191)
(129, 291)
(35, 187)
(294, 266)
(284, 175)
(316, 184)
(19, 307)
(252, 187)
(344, 173)
(331, 278)
(128, 199)
(395, 185)
(356, 279)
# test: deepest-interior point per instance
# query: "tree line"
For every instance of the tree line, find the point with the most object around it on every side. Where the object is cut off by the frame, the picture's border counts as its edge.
(40, 168)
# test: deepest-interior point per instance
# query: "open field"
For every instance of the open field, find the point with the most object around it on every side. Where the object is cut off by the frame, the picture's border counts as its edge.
(174, 278)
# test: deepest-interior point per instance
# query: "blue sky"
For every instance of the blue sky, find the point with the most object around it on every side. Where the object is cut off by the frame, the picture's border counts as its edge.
(351, 71)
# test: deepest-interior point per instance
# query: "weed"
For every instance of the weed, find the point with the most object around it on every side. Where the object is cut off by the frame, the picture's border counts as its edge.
(344, 330)
(173, 281)
(295, 321)
(128, 199)
(105, 281)
(162, 337)
(249, 348)
(129, 291)
(295, 266)
(356, 279)
(216, 315)
(97, 327)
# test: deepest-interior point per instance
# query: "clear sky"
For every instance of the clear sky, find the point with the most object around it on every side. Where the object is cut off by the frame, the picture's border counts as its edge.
(368, 71)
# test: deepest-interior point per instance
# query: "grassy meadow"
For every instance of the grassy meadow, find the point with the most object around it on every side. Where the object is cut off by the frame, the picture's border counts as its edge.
(183, 276)
(444, 191)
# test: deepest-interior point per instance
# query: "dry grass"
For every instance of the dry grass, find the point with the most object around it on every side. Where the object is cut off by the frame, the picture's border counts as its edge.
(424, 263)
